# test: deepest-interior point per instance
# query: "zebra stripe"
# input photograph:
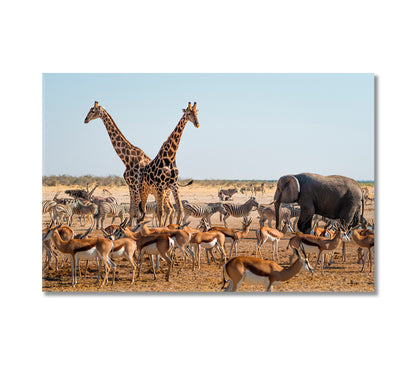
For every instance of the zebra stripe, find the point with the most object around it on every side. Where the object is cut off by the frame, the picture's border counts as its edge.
(111, 210)
(63, 212)
(239, 210)
(47, 207)
(85, 209)
(202, 211)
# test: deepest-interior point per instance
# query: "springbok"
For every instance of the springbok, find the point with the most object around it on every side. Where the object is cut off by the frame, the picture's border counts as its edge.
(179, 236)
(122, 248)
(153, 244)
(82, 249)
(253, 270)
(318, 244)
(265, 234)
(66, 234)
(208, 240)
(365, 239)
(234, 236)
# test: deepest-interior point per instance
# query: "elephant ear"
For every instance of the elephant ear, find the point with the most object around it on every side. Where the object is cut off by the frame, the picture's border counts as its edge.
(290, 190)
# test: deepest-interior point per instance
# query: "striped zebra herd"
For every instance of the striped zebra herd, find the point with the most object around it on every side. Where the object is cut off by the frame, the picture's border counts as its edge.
(176, 244)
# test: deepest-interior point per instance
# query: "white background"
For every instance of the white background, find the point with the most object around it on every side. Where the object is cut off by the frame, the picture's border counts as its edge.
(207, 334)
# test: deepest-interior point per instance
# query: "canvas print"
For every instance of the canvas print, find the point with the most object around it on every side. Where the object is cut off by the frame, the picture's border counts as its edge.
(205, 183)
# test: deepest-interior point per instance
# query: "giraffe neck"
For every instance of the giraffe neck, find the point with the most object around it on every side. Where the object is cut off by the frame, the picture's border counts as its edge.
(170, 146)
(124, 149)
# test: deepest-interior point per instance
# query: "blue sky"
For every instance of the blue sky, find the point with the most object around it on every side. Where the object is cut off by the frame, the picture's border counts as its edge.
(252, 126)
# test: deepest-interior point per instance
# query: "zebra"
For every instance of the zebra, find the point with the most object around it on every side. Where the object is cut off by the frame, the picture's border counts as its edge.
(47, 207)
(99, 199)
(244, 190)
(266, 213)
(239, 210)
(64, 211)
(287, 212)
(254, 189)
(84, 209)
(111, 210)
(202, 211)
(150, 209)
(227, 194)
(294, 210)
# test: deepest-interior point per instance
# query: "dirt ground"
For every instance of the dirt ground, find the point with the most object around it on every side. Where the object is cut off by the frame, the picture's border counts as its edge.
(339, 277)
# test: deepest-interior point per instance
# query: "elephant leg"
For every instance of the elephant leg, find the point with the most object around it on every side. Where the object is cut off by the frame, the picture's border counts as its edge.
(346, 215)
(305, 220)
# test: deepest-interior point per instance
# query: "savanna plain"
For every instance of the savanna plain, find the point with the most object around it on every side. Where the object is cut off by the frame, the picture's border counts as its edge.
(338, 277)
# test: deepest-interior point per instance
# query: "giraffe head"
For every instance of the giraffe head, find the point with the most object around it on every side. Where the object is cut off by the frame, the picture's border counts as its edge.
(95, 112)
(190, 114)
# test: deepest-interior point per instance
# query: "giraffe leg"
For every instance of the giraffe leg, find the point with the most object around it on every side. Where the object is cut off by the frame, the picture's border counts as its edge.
(159, 207)
(144, 194)
(178, 202)
(169, 210)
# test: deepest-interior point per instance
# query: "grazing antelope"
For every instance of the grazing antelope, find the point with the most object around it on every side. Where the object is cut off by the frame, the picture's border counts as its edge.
(152, 244)
(253, 270)
(239, 210)
(83, 249)
(318, 244)
(122, 248)
(234, 236)
(265, 234)
(365, 239)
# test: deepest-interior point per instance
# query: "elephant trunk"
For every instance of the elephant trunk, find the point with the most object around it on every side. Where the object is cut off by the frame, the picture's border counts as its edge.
(362, 208)
(277, 212)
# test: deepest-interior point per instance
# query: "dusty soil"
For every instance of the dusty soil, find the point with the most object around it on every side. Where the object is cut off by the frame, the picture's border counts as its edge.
(339, 277)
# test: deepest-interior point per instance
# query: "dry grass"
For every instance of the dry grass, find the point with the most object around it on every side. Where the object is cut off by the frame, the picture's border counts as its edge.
(339, 277)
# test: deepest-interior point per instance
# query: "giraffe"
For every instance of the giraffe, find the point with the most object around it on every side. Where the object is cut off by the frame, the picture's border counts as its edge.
(161, 173)
(133, 158)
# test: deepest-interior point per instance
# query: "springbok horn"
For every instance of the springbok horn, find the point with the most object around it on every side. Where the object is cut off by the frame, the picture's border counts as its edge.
(105, 233)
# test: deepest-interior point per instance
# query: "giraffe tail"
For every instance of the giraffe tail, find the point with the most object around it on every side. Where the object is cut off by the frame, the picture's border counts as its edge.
(186, 184)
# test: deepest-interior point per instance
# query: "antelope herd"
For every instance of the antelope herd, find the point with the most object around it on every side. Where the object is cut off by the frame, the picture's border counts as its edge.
(175, 245)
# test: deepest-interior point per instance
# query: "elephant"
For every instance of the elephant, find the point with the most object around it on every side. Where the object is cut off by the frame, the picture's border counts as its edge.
(333, 196)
